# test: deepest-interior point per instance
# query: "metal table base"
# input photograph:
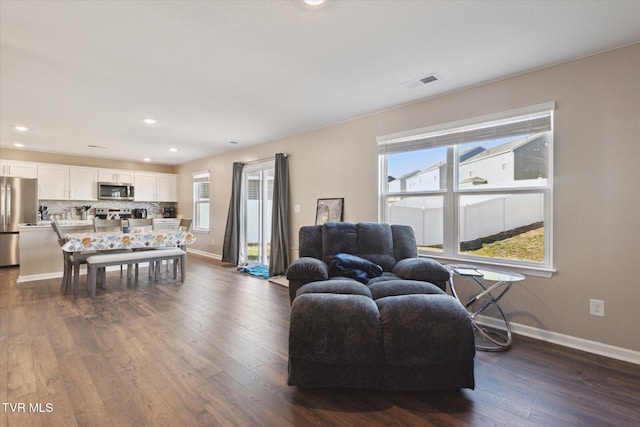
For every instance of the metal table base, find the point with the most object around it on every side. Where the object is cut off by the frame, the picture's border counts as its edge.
(490, 339)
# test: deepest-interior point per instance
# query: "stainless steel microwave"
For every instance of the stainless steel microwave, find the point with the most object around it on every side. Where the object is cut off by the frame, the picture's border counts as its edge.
(115, 191)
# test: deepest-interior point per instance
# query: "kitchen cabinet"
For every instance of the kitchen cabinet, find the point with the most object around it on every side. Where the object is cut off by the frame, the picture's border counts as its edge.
(83, 183)
(156, 187)
(53, 182)
(61, 182)
(167, 187)
(18, 169)
(115, 175)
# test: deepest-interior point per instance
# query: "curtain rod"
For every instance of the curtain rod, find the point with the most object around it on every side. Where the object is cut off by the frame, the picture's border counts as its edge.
(266, 159)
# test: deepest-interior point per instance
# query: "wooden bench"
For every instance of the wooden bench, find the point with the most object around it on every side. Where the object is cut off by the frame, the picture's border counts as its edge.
(100, 261)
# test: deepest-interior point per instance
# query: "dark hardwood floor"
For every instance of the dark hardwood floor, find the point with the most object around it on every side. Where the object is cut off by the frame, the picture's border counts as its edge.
(213, 351)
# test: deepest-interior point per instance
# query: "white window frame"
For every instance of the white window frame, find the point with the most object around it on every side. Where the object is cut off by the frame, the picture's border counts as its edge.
(199, 178)
(452, 135)
(263, 226)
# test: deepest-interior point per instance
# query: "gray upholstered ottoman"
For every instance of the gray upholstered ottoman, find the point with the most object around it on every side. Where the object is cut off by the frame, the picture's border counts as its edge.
(394, 335)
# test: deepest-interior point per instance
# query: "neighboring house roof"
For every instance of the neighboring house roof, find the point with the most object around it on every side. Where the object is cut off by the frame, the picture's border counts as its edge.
(470, 152)
(466, 154)
(433, 167)
(408, 175)
(475, 154)
(504, 148)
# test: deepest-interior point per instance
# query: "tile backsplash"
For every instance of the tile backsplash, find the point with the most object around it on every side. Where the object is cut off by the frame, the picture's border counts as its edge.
(65, 209)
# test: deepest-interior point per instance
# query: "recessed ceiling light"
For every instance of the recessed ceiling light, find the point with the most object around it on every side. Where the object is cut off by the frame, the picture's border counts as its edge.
(146, 159)
(173, 149)
(150, 121)
(21, 128)
(314, 2)
(18, 144)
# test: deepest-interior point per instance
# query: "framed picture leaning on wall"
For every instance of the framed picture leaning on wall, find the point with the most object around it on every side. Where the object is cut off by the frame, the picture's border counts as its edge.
(330, 210)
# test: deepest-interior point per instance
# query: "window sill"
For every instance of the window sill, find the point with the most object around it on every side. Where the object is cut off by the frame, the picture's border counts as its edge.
(543, 272)
(199, 231)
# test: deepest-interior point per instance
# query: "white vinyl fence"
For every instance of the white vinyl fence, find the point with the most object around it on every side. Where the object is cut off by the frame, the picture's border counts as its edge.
(253, 220)
(480, 216)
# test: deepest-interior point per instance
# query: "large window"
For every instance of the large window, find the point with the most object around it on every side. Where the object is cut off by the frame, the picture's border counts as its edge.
(478, 190)
(201, 201)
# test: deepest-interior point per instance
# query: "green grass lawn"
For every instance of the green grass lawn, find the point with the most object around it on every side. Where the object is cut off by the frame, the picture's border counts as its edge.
(253, 251)
(528, 246)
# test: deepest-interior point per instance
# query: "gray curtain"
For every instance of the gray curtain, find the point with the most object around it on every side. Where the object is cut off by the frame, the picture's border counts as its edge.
(279, 258)
(231, 245)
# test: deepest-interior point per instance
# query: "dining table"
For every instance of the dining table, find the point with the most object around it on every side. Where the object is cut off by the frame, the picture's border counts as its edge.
(113, 240)
(138, 239)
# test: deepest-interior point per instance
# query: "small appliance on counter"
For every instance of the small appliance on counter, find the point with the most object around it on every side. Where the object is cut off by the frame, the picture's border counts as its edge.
(139, 213)
(169, 212)
(82, 211)
(111, 213)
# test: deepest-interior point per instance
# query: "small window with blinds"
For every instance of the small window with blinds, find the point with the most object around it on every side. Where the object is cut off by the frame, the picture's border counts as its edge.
(477, 190)
(201, 182)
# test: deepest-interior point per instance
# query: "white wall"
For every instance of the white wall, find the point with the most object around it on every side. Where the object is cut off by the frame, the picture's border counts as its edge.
(596, 200)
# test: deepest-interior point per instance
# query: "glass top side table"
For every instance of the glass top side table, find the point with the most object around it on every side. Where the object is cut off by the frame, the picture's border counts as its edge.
(491, 281)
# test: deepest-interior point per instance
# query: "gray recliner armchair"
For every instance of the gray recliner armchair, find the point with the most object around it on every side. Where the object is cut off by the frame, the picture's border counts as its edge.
(392, 247)
(366, 312)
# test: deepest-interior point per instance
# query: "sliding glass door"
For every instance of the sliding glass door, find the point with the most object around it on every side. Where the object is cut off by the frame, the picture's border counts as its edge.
(258, 202)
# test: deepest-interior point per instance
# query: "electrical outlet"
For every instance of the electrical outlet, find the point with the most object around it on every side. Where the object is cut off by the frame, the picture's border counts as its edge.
(596, 307)
(213, 241)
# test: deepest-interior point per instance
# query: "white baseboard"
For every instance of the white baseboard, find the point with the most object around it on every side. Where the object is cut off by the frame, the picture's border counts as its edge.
(594, 347)
(58, 274)
(205, 254)
(34, 277)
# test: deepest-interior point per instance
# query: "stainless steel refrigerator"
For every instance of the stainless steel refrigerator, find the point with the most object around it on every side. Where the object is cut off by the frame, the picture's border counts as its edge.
(18, 204)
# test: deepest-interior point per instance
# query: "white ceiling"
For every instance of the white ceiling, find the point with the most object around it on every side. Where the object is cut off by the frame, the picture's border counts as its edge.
(79, 73)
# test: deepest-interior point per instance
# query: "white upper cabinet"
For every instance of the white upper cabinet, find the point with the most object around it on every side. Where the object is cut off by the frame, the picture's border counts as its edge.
(115, 175)
(145, 187)
(156, 187)
(167, 187)
(61, 182)
(64, 182)
(18, 169)
(53, 182)
(83, 183)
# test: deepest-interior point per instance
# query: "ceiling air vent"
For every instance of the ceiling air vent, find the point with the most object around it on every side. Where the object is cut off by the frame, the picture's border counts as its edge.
(421, 81)
(96, 146)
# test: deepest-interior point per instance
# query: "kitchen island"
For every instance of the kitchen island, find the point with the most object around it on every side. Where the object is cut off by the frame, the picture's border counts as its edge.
(40, 253)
